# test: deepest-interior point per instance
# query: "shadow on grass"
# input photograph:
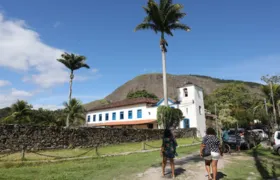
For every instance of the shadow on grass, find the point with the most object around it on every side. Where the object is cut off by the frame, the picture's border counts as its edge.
(221, 175)
(262, 166)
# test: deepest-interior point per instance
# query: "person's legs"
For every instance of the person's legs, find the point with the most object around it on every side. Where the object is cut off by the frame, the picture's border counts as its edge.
(163, 165)
(215, 158)
(172, 167)
(214, 168)
(207, 166)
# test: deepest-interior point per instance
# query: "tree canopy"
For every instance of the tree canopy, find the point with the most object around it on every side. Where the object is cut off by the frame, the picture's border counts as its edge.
(163, 17)
(141, 93)
(169, 117)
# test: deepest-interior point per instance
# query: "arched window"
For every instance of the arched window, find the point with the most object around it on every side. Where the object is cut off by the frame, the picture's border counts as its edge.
(186, 92)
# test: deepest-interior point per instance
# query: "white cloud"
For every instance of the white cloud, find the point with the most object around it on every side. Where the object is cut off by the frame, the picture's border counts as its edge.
(4, 83)
(94, 70)
(21, 49)
(20, 93)
(7, 99)
(56, 24)
(47, 106)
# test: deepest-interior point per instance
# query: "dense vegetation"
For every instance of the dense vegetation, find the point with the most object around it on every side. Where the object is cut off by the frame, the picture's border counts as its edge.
(141, 93)
(23, 113)
(237, 105)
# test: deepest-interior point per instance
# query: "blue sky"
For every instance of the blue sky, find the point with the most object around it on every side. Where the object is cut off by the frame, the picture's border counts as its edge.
(229, 39)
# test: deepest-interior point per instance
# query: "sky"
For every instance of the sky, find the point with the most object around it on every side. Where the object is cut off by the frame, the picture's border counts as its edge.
(228, 39)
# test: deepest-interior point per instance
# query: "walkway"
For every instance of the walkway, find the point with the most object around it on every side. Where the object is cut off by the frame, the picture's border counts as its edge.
(187, 168)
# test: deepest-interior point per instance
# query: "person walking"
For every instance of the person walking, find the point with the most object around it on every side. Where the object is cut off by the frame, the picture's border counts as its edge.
(210, 150)
(225, 138)
(168, 151)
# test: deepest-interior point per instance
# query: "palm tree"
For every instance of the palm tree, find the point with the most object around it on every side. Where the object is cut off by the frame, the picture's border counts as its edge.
(76, 111)
(163, 17)
(21, 111)
(72, 62)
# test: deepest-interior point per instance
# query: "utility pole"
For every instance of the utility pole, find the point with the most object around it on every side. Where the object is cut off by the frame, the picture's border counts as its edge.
(265, 106)
(273, 104)
(216, 117)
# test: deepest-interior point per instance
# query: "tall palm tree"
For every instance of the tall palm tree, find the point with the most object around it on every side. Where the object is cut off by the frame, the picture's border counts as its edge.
(72, 62)
(76, 111)
(163, 18)
(21, 111)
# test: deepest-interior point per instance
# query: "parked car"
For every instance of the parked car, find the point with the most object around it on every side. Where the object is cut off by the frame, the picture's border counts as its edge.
(261, 133)
(276, 143)
(249, 139)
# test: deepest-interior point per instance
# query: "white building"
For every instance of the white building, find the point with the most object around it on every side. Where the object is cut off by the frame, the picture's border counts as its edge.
(142, 112)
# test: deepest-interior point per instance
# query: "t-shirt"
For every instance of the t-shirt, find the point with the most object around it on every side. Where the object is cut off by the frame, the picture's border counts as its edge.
(211, 142)
(225, 135)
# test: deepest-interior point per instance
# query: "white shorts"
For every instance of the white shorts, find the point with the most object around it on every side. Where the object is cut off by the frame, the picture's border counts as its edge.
(213, 156)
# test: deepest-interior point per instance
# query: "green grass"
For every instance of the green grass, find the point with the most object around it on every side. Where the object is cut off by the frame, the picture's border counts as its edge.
(258, 163)
(118, 167)
(112, 149)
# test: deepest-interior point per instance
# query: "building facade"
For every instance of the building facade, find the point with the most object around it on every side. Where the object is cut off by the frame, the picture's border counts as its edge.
(142, 112)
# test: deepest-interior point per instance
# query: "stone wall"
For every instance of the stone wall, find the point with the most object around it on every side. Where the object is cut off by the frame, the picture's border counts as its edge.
(14, 137)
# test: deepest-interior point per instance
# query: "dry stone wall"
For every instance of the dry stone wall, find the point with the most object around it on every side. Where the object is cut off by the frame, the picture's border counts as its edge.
(14, 137)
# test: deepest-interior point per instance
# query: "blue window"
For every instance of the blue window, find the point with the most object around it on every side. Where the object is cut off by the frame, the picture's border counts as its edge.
(114, 116)
(107, 116)
(100, 117)
(121, 115)
(186, 123)
(94, 118)
(139, 113)
(88, 118)
(129, 114)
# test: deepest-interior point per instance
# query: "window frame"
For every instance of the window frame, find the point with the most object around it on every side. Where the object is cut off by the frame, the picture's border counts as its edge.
(100, 117)
(139, 113)
(129, 115)
(94, 117)
(88, 118)
(107, 117)
(114, 116)
(121, 115)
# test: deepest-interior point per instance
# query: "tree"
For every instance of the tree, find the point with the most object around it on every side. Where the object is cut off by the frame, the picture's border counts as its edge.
(72, 62)
(141, 93)
(169, 117)
(225, 116)
(163, 18)
(75, 111)
(21, 111)
(236, 101)
(45, 117)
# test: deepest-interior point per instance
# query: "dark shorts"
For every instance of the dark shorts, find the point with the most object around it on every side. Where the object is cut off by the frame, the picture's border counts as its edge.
(169, 155)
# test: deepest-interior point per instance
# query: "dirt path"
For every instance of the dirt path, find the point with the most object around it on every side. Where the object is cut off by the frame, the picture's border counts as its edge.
(190, 167)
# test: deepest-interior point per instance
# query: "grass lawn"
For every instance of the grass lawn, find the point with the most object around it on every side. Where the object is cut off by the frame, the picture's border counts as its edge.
(112, 149)
(118, 167)
(258, 163)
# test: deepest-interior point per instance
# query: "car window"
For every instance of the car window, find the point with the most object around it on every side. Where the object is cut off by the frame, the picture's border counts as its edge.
(278, 135)
(260, 131)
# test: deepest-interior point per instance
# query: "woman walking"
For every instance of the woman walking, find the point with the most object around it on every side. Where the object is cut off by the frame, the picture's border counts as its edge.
(168, 151)
(211, 151)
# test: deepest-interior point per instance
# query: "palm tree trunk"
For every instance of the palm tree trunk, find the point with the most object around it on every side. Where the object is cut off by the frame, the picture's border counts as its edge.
(163, 53)
(70, 95)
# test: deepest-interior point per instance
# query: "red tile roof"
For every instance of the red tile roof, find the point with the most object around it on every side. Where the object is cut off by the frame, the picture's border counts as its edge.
(121, 123)
(125, 102)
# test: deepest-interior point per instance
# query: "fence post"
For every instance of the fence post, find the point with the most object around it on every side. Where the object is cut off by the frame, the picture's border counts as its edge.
(23, 153)
(143, 145)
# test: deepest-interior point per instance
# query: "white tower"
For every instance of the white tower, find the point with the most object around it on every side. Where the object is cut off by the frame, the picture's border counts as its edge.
(191, 104)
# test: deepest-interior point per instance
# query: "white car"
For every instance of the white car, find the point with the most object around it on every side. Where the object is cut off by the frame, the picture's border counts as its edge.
(276, 142)
(261, 133)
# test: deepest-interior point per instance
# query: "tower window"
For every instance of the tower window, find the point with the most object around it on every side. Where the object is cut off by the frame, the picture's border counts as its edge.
(186, 92)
